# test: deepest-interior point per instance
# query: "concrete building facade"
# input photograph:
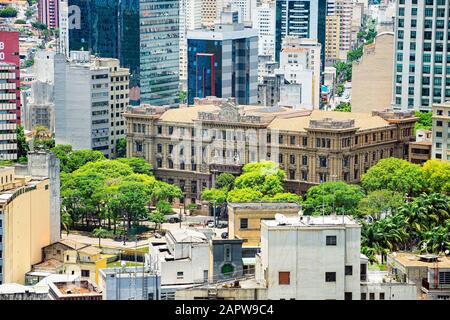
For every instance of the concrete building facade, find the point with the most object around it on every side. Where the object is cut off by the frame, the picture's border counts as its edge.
(90, 96)
(422, 59)
(441, 131)
(372, 75)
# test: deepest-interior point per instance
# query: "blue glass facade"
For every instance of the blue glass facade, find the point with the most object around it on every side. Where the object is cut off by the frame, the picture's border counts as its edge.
(109, 29)
(159, 52)
(204, 69)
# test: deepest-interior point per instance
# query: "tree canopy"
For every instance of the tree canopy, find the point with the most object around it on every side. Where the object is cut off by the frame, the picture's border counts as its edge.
(395, 175)
(333, 197)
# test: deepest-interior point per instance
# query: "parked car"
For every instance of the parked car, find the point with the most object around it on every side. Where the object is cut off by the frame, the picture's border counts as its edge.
(224, 235)
(211, 224)
(174, 220)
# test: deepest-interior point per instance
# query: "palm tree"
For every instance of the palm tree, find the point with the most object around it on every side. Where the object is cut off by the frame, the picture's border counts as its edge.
(100, 233)
(66, 221)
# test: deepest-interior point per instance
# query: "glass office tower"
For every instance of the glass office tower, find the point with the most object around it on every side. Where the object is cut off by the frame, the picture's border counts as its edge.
(159, 52)
(109, 29)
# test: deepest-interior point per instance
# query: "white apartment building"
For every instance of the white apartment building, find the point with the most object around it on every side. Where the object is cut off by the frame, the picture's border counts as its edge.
(9, 103)
(441, 131)
(318, 258)
(422, 58)
(310, 258)
(300, 63)
(90, 95)
(265, 22)
(209, 13)
(183, 259)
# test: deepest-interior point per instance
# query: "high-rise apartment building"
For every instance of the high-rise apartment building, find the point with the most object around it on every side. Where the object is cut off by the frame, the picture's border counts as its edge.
(48, 13)
(344, 9)
(90, 96)
(209, 13)
(159, 46)
(301, 18)
(422, 54)
(190, 19)
(332, 39)
(9, 94)
(265, 22)
(223, 62)
(441, 131)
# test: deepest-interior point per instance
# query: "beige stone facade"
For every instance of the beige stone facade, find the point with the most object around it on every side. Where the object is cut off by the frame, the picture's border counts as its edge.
(190, 146)
(372, 75)
(24, 223)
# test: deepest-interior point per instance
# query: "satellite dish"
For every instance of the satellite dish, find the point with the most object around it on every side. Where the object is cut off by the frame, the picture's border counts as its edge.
(280, 218)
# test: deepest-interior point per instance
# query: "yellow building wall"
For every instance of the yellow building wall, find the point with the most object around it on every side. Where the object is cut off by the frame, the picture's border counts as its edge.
(100, 264)
(252, 235)
(26, 232)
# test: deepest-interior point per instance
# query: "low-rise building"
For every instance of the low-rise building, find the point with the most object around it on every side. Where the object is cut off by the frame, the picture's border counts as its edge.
(130, 283)
(74, 290)
(78, 259)
(14, 291)
(225, 259)
(429, 272)
(244, 219)
(183, 259)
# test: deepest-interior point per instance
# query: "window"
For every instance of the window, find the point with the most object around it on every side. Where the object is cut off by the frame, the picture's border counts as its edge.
(381, 295)
(85, 273)
(444, 277)
(180, 275)
(363, 296)
(331, 240)
(348, 296)
(372, 296)
(348, 270)
(284, 278)
(244, 223)
(227, 252)
(330, 276)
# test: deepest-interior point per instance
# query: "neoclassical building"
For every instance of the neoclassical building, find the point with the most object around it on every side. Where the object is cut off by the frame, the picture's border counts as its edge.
(190, 146)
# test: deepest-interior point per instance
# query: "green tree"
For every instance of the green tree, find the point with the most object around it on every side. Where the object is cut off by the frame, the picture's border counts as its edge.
(121, 148)
(437, 176)
(343, 107)
(425, 120)
(66, 221)
(164, 207)
(8, 12)
(139, 165)
(100, 233)
(379, 201)
(183, 96)
(29, 13)
(157, 218)
(333, 197)
(395, 175)
(244, 195)
(225, 181)
(218, 196)
(22, 145)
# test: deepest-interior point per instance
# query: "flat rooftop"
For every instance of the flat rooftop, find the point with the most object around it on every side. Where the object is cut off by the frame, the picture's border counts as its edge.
(66, 288)
(187, 236)
(409, 259)
(310, 221)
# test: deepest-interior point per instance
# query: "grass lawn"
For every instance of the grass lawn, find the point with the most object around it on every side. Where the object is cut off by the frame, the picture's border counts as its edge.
(377, 266)
(117, 263)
